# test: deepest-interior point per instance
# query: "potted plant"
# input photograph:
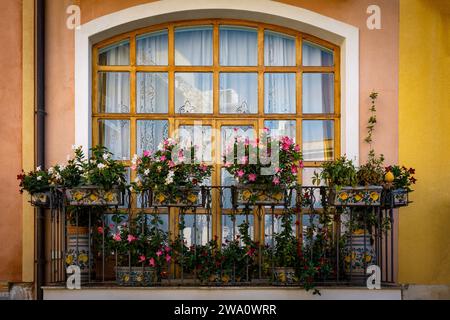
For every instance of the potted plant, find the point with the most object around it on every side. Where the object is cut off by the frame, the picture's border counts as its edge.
(142, 251)
(398, 181)
(265, 169)
(102, 180)
(285, 252)
(171, 175)
(37, 184)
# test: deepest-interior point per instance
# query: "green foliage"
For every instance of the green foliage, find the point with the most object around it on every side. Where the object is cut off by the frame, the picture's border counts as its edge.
(34, 181)
(372, 172)
(286, 244)
(403, 177)
(337, 173)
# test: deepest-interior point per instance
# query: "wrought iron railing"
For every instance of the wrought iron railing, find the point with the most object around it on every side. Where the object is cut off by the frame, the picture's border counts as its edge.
(217, 240)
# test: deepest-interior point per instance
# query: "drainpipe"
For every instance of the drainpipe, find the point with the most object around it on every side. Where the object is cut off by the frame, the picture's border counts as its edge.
(40, 140)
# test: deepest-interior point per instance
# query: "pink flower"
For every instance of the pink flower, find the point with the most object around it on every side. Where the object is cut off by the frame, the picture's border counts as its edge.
(277, 169)
(131, 238)
(276, 181)
(151, 262)
(171, 164)
(111, 226)
(142, 258)
(133, 167)
(159, 253)
(163, 158)
(244, 160)
(252, 177)
(147, 153)
(240, 173)
(227, 164)
(246, 141)
(117, 237)
(167, 249)
(266, 130)
(168, 258)
(100, 230)
(300, 164)
(297, 148)
(203, 167)
(294, 169)
(235, 129)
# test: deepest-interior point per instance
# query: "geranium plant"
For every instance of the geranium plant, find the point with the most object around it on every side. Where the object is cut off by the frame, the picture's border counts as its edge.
(400, 177)
(338, 173)
(171, 173)
(34, 181)
(265, 163)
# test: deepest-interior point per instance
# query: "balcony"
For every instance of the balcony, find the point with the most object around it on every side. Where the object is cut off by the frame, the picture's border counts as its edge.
(305, 241)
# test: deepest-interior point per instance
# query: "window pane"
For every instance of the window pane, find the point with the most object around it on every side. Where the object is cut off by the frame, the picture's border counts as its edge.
(315, 55)
(198, 136)
(279, 93)
(151, 49)
(193, 93)
(150, 133)
(238, 46)
(230, 133)
(318, 93)
(198, 229)
(115, 135)
(114, 92)
(230, 230)
(238, 93)
(279, 49)
(117, 54)
(152, 92)
(193, 46)
(280, 128)
(318, 140)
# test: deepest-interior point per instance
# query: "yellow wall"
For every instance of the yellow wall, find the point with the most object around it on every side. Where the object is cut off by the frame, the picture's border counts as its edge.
(424, 139)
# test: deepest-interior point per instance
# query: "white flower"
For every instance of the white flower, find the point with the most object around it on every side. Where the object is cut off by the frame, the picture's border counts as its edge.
(74, 147)
(160, 146)
(58, 176)
(39, 178)
(169, 178)
(106, 156)
(51, 170)
(62, 166)
(146, 172)
(101, 166)
(38, 168)
(137, 179)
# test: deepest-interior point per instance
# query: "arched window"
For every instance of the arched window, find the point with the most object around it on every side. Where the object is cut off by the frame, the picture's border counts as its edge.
(221, 75)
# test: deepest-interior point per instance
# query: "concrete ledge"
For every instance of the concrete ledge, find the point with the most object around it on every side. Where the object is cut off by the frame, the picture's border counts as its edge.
(426, 292)
(218, 293)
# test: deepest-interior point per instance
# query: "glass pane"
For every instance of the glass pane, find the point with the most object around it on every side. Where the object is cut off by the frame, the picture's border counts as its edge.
(230, 229)
(117, 54)
(198, 136)
(164, 219)
(238, 46)
(318, 140)
(279, 93)
(279, 49)
(238, 93)
(151, 49)
(315, 55)
(193, 93)
(114, 92)
(230, 133)
(152, 92)
(150, 133)
(198, 229)
(115, 135)
(227, 180)
(279, 128)
(193, 46)
(318, 93)
(276, 228)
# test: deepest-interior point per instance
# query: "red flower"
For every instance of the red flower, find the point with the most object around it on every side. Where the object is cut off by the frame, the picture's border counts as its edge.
(100, 230)
(412, 170)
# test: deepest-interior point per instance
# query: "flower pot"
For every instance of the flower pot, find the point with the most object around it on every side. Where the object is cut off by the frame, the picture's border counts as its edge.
(93, 196)
(396, 198)
(285, 275)
(135, 276)
(358, 254)
(41, 199)
(260, 195)
(356, 196)
(183, 197)
(78, 250)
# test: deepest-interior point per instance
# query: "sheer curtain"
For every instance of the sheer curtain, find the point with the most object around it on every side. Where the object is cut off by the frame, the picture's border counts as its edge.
(150, 133)
(193, 46)
(238, 93)
(115, 55)
(151, 49)
(279, 50)
(238, 46)
(152, 92)
(279, 93)
(116, 137)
